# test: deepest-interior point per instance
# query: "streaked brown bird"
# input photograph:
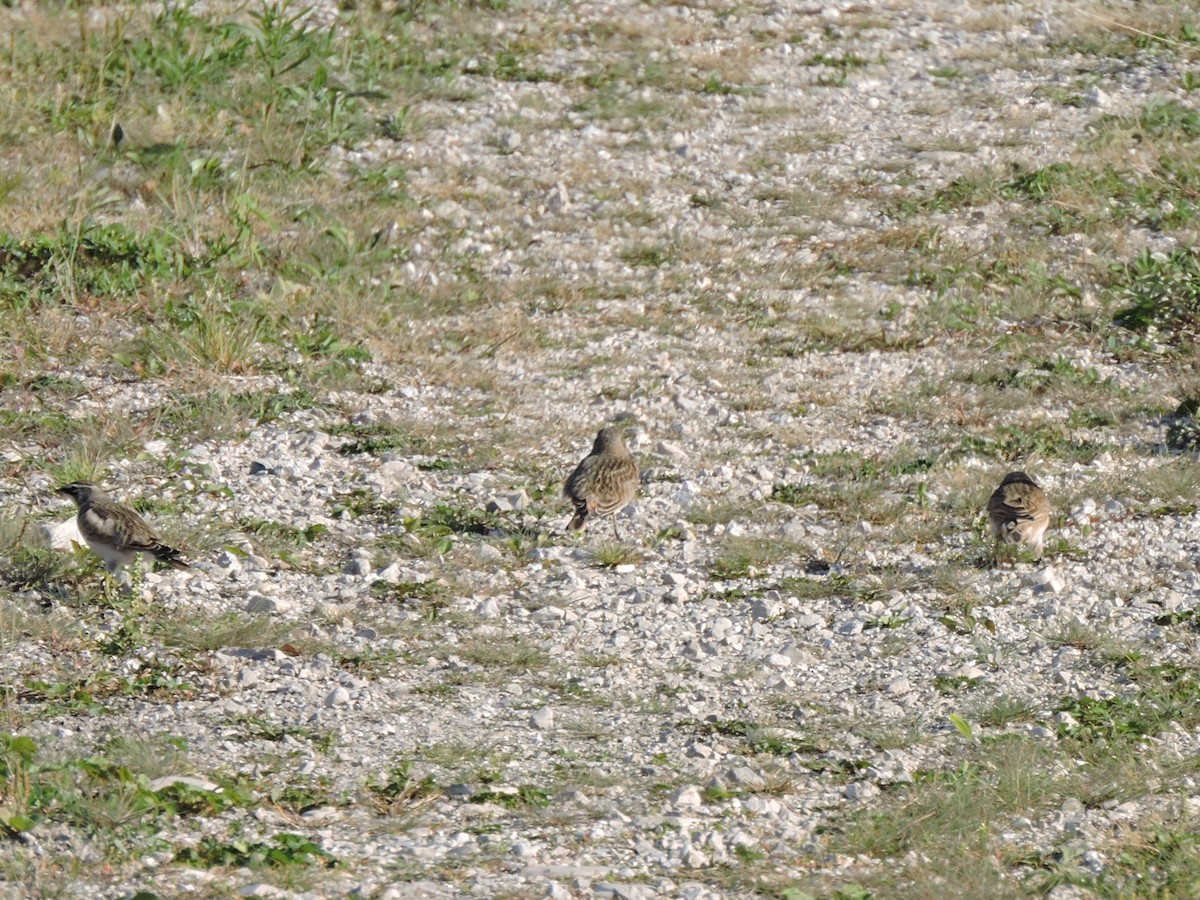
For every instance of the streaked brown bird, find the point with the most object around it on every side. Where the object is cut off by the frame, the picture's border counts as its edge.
(114, 532)
(1019, 512)
(605, 481)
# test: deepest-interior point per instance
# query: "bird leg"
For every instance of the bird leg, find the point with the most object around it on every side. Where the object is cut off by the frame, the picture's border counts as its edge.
(118, 585)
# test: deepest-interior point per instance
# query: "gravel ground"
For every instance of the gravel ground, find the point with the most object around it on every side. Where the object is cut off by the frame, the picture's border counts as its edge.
(693, 710)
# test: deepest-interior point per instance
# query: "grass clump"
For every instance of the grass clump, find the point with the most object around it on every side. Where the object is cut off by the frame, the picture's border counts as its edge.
(1167, 695)
(28, 564)
(284, 851)
(760, 738)
(608, 554)
(449, 518)
(434, 594)
(746, 557)
(222, 413)
(1183, 432)
(278, 540)
(1046, 440)
(1010, 774)
(228, 630)
(804, 587)
(1159, 296)
(81, 262)
(513, 657)
(1039, 377)
(216, 336)
(835, 68)
(525, 796)
(944, 826)
(379, 438)
(1159, 120)
(652, 256)
(104, 791)
(400, 791)
(1003, 710)
(1161, 859)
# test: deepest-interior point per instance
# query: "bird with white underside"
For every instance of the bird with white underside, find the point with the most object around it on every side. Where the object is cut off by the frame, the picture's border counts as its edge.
(116, 533)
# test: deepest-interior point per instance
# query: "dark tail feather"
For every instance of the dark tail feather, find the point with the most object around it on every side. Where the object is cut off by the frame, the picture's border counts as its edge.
(170, 556)
(581, 514)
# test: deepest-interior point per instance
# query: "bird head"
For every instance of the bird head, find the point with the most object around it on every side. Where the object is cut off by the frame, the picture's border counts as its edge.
(1017, 478)
(611, 437)
(79, 491)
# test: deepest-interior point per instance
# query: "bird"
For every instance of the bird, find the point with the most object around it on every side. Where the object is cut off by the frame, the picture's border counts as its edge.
(1018, 513)
(114, 532)
(605, 481)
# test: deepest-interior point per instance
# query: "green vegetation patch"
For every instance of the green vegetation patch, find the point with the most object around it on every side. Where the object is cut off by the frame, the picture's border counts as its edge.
(376, 439)
(759, 738)
(1039, 377)
(1156, 861)
(836, 66)
(83, 263)
(399, 789)
(1115, 41)
(746, 558)
(525, 796)
(285, 850)
(1160, 295)
(1166, 695)
(271, 64)
(223, 413)
(1159, 120)
(1073, 197)
(98, 791)
(1183, 432)
(951, 819)
(1049, 440)
(856, 486)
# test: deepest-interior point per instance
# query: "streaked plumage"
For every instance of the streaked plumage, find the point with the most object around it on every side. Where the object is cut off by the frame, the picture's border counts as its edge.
(1019, 512)
(605, 481)
(114, 532)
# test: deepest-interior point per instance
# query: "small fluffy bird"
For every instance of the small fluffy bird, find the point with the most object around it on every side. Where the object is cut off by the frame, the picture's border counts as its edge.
(1019, 512)
(606, 480)
(115, 533)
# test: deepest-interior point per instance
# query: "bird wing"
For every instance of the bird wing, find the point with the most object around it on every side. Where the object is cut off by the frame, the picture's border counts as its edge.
(577, 481)
(148, 542)
(123, 525)
(1029, 503)
(1018, 503)
(103, 520)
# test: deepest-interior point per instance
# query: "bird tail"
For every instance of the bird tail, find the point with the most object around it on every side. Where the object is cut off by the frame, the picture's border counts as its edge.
(170, 556)
(581, 514)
